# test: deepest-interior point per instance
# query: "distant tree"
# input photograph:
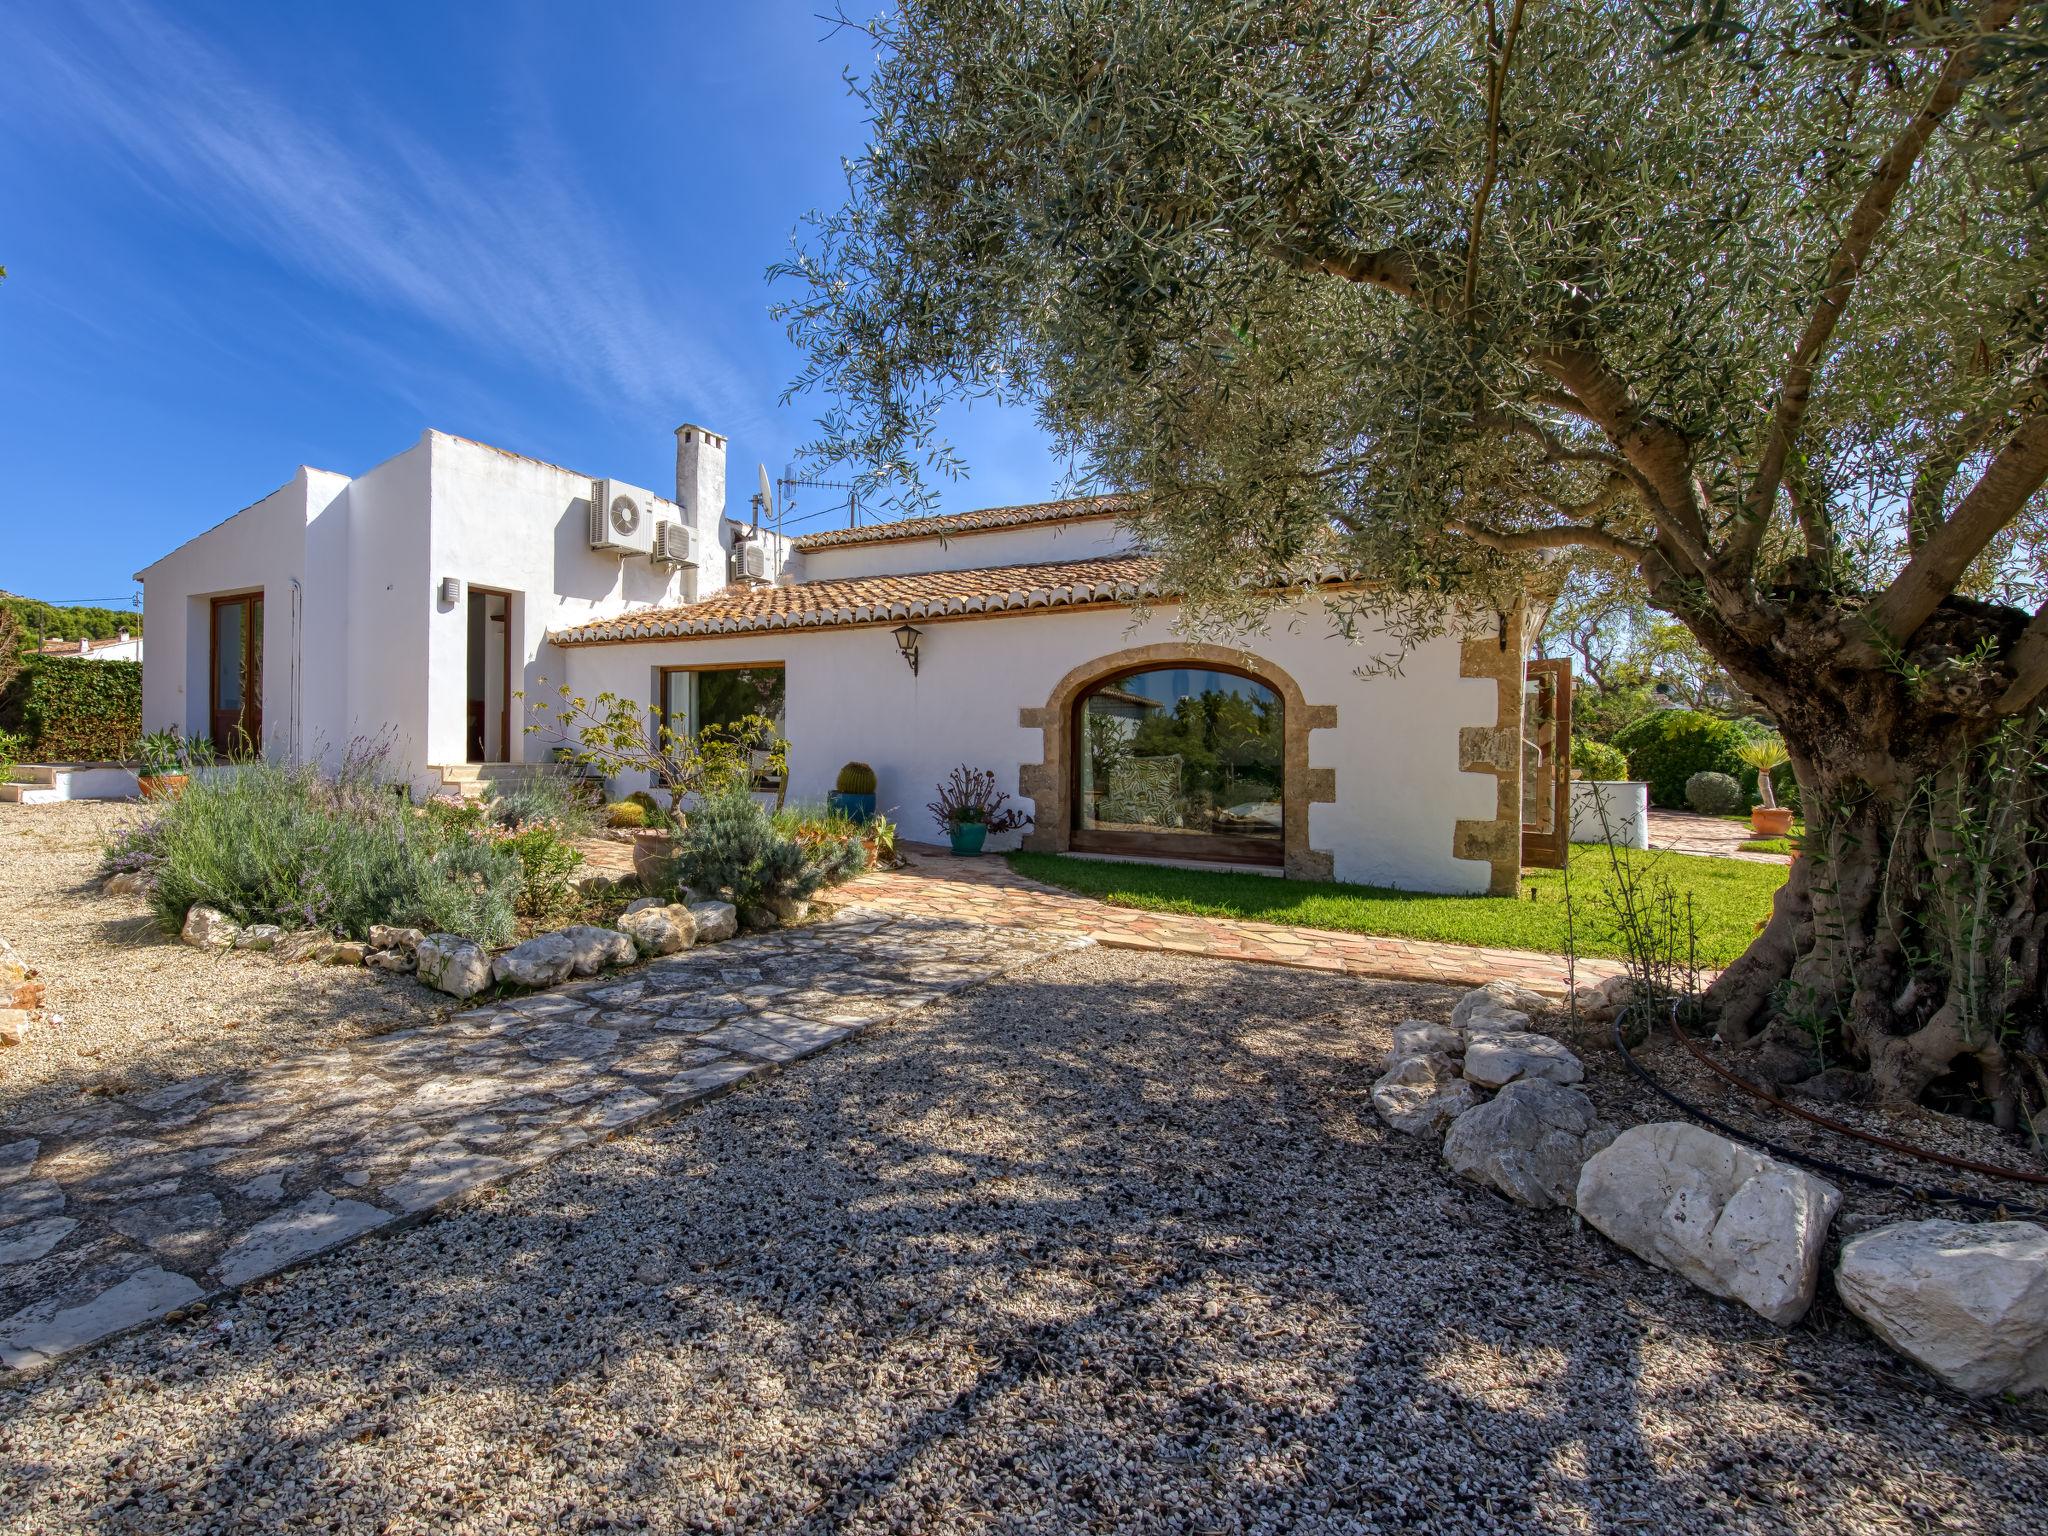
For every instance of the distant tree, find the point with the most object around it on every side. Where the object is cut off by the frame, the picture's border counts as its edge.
(1751, 295)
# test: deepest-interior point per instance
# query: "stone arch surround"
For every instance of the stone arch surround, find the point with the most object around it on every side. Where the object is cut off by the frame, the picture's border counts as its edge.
(1048, 782)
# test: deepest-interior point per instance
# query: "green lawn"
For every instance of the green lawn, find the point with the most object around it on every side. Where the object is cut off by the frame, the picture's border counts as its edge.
(1729, 898)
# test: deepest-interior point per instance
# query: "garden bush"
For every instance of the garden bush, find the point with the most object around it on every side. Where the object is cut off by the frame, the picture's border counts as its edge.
(12, 749)
(83, 711)
(269, 844)
(735, 848)
(1715, 794)
(1669, 747)
(626, 813)
(1596, 760)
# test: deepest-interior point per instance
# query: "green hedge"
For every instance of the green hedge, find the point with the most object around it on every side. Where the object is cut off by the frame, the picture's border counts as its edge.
(83, 711)
(1669, 747)
(1597, 761)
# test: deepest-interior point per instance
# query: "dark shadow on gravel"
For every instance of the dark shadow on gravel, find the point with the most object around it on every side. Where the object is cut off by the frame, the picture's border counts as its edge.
(1115, 1246)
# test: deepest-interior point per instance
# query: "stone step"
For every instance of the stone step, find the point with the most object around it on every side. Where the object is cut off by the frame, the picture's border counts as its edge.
(30, 794)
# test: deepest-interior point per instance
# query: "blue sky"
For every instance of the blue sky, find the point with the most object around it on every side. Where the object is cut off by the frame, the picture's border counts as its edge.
(241, 237)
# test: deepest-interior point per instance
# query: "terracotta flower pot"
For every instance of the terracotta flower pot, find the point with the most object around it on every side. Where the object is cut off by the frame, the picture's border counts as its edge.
(162, 786)
(653, 855)
(1770, 821)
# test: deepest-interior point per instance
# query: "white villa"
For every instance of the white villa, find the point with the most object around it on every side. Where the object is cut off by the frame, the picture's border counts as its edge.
(417, 602)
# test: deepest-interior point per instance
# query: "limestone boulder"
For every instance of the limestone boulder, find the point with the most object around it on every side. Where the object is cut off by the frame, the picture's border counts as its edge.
(1421, 1037)
(658, 929)
(1734, 1222)
(14, 1025)
(1500, 1000)
(789, 909)
(342, 952)
(1528, 1142)
(384, 936)
(1420, 1095)
(1601, 1002)
(545, 960)
(259, 936)
(594, 948)
(452, 964)
(1493, 1060)
(207, 928)
(716, 920)
(129, 882)
(398, 961)
(1967, 1301)
(643, 904)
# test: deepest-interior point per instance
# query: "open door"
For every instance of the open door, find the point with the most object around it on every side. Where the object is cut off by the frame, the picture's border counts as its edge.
(489, 704)
(1547, 763)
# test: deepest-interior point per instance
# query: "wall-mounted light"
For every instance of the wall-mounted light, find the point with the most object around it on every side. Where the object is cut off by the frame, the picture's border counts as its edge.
(451, 590)
(907, 636)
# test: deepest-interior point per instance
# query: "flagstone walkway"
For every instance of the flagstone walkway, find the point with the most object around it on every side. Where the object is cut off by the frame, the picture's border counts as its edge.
(125, 1210)
(987, 890)
(1713, 837)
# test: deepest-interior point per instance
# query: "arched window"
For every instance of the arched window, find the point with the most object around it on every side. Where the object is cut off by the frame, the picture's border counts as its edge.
(1180, 762)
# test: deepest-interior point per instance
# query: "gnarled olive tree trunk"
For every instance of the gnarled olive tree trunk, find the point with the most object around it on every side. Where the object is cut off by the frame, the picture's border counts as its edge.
(1910, 934)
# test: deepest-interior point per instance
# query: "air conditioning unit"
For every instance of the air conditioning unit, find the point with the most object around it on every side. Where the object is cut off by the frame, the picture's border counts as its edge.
(675, 544)
(621, 518)
(749, 562)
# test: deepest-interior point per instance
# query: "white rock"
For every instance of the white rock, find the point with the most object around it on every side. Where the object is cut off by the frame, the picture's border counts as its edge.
(259, 936)
(1420, 1037)
(541, 961)
(1529, 1143)
(14, 1025)
(1967, 1301)
(715, 920)
(206, 928)
(384, 936)
(1499, 998)
(1732, 1221)
(399, 961)
(595, 948)
(643, 904)
(1513, 1056)
(458, 966)
(659, 929)
(789, 909)
(1420, 1095)
(130, 882)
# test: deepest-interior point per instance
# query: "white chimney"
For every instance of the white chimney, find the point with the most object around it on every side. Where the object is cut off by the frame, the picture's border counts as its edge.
(700, 482)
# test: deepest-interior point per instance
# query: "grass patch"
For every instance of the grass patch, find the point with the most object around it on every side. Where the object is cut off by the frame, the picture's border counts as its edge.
(1783, 845)
(1730, 897)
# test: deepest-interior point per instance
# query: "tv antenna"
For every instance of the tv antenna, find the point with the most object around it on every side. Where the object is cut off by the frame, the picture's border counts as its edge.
(791, 480)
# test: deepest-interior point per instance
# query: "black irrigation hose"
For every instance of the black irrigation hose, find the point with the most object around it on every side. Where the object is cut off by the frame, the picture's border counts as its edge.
(1807, 1159)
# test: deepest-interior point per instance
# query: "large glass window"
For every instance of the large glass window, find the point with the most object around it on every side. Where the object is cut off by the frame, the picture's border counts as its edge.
(1181, 762)
(695, 697)
(235, 709)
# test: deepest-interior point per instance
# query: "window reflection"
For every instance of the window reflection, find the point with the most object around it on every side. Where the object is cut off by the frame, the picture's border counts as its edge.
(1179, 754)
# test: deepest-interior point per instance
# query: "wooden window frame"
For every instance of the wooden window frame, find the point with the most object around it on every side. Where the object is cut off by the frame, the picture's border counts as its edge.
(760, 783)
(250, 602)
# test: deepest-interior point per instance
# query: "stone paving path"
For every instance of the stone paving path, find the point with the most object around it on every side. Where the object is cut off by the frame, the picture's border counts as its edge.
(1712, 837)
(987, 890)
(124, 1210)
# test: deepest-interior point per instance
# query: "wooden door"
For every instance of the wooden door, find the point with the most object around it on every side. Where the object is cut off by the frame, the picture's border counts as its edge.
(235, 675)
(1546, 763)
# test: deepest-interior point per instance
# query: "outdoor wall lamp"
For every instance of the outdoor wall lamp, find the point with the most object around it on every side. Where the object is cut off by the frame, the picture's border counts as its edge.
(907, 636)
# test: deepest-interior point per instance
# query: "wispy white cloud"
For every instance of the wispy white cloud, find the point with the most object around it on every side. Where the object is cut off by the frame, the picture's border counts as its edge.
(515, 258)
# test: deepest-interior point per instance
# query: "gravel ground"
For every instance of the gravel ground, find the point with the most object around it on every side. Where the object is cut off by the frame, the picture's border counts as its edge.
(137, 1007)
(1117, 1245)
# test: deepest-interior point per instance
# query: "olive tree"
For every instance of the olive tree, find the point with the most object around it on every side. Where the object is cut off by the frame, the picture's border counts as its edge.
(1748, 294)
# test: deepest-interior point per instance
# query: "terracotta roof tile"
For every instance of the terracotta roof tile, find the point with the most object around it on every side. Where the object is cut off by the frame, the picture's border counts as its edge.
(882, 600)
(987, 520)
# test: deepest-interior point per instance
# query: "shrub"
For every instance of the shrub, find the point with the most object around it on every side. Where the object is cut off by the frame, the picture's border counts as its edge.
(1598, 761)
(735, 847)
(12, 747)
(626, 813)
(83, 711)
(269, 844)
(1714, 794)
(559, 802)
(856, 779)
(547, 862)
(1669, 747)
(646, 802)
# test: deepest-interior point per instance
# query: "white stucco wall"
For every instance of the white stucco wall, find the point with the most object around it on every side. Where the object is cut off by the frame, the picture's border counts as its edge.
(263, 548)
(850, 696)
(1040, 544)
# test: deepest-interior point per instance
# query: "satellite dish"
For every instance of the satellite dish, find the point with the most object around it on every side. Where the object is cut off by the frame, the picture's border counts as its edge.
(766, 503)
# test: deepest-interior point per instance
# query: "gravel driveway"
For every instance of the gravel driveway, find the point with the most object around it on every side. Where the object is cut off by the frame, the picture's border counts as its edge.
(1117, 1245)
(139, 1008)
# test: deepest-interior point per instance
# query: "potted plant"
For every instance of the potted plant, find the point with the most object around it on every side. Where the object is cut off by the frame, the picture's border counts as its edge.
(853, 795)
(970, 807)
(1765, 755)
(161, 766)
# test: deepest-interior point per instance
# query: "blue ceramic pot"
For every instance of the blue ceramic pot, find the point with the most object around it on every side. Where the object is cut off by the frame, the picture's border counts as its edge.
(860, 808)
(968, 836)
